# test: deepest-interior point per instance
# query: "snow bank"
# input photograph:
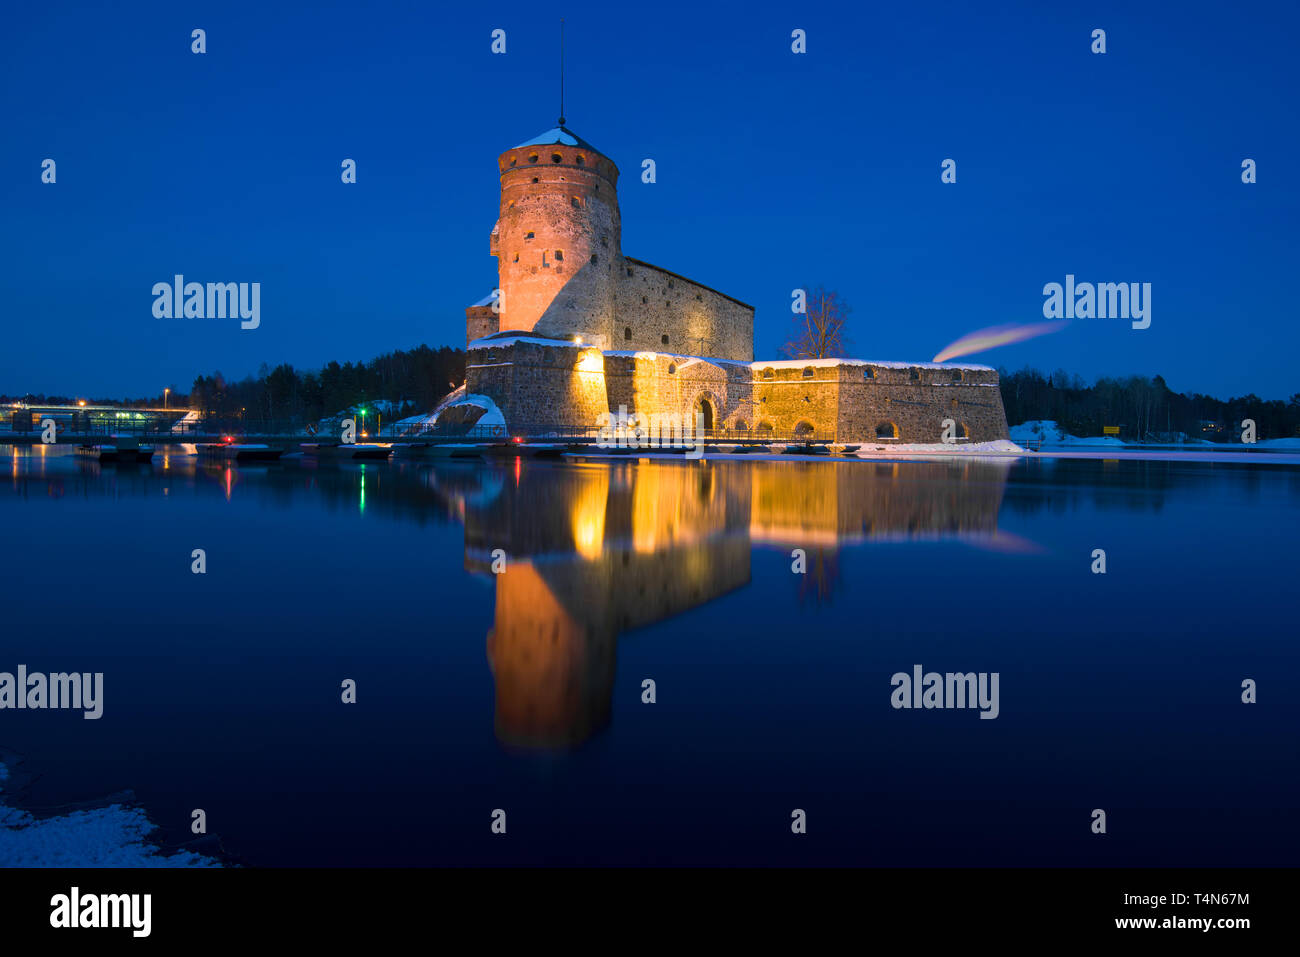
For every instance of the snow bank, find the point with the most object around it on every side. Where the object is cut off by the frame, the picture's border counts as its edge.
(1048, 432)
(491, 414)
(112, 836)
(998, 447)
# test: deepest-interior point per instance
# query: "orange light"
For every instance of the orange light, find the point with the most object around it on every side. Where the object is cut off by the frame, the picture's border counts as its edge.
(517, 438)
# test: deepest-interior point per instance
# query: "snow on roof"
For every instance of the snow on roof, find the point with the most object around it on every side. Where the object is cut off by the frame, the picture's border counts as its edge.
(883, 364)
(802, 363)
(647, 354)
(486, 300)
(491, 342)
(561, 135)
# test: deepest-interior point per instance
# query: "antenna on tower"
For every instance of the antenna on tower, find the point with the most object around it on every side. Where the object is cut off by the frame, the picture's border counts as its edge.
(561, 71)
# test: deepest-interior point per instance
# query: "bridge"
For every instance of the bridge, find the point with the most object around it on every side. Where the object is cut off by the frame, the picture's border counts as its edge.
(194, 429)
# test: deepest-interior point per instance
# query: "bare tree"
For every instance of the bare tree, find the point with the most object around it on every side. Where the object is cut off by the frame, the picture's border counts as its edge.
(818, 332)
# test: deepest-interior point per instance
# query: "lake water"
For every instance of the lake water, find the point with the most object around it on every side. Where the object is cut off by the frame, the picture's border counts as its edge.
(522, 691)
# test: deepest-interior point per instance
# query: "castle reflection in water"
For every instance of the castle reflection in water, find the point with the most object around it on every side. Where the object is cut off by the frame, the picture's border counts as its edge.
(595, 550)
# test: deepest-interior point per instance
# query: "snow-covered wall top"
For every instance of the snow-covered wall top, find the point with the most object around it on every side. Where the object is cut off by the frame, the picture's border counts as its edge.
(493, 342)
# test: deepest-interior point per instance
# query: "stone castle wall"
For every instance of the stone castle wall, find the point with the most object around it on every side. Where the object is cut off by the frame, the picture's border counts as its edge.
(539, 385)
(842, 400)
(660, 311)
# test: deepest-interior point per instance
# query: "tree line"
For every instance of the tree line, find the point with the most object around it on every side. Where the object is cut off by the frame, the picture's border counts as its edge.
(415, 379)
(1142, 407)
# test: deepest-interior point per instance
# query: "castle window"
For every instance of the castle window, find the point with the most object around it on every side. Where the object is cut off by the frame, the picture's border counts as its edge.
(915, 375)
(629, 271)
(516, 257)
(559, 255)
(556, 157)
(663, 340)
(528, 235)
(670, 284)
(514, 160)
(958, 375)
(581, 161)
(533, 159)
(768, 374)
(627, 332)
(886, 430)
(535, 179)
(868, 373)
(593, 259)
(808, 372)
(699, 297)
(575, 202)
(643, 300)
(672, 368)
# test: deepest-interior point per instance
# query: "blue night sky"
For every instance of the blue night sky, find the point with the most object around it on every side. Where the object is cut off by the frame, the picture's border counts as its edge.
(774, 171)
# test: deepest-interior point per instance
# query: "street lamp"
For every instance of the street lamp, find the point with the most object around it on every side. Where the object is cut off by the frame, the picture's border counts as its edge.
(166, 392)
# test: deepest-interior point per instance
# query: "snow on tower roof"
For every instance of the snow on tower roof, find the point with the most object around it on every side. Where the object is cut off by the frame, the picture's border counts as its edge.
(561, 135)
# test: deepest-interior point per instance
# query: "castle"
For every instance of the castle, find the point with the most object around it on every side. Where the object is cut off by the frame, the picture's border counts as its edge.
(577, 329)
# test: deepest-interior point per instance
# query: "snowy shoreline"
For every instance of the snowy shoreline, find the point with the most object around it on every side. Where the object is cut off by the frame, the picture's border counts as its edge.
(110, 836)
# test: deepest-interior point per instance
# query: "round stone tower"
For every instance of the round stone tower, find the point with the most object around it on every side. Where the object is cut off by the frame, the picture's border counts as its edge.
(558, 239)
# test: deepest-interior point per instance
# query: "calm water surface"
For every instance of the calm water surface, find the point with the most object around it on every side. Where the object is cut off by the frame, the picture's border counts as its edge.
(522, 691)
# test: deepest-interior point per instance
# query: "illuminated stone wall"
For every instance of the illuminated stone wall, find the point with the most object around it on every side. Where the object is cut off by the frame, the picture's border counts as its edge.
(676, 385)
(539, 385)
(846, 401)
(660, 311)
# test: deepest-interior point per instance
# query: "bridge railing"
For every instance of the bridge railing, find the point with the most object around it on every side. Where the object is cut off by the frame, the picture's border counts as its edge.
(560, 432)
